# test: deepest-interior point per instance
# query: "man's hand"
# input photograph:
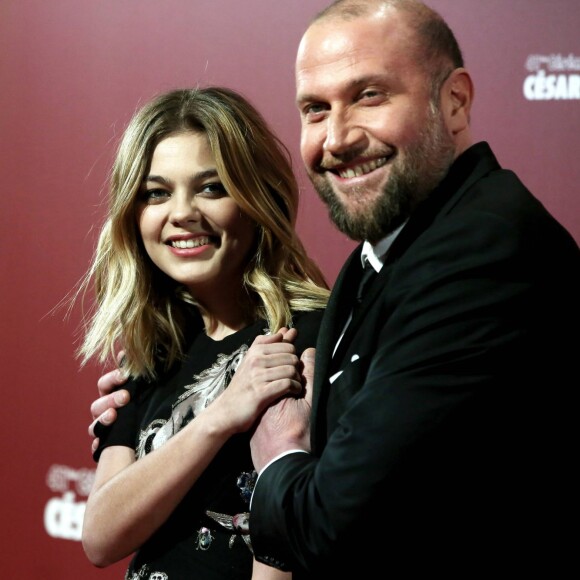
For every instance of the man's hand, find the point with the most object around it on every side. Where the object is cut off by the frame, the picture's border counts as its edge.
(103, 409)
(285, 426)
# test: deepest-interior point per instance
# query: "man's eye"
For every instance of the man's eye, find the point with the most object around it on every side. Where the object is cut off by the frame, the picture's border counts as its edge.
(313, 110)
(374, 97)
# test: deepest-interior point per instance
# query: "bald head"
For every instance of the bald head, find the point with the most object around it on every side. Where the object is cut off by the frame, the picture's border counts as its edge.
(437, 49)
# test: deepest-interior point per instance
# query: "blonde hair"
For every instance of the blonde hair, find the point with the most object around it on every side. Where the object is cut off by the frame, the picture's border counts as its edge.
(138, 308)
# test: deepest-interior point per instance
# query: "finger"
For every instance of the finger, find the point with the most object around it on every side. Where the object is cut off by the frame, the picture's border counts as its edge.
(110, 381)
(279, 371)
(262, 349)
(276, 337)
(307, 361)
(120, 358)
(111, 401)
(280, 359)
(106, 418)
(290, 335)
(281, 387)
(94, 445)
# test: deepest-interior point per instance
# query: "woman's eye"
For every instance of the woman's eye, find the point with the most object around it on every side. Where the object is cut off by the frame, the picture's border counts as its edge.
(154, 195)
(213, 190)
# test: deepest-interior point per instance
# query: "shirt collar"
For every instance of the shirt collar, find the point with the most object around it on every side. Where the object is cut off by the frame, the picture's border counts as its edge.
(376, 254)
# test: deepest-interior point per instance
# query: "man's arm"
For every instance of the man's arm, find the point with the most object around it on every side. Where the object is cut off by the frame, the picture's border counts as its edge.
(103, 409)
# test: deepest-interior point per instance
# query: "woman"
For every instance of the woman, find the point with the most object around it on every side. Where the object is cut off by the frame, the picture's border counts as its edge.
(197, 267)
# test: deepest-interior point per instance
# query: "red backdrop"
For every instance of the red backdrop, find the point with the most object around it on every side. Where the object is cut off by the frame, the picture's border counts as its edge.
(71, 74)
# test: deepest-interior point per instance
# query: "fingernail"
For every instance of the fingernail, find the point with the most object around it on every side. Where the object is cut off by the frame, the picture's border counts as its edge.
(106, 417)
(120, 397)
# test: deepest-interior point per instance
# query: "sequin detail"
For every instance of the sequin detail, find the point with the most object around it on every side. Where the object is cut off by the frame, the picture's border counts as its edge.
(246, 483)
(204, 539)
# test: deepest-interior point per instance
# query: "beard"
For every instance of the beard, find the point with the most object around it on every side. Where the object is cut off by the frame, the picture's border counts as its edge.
(413, 177)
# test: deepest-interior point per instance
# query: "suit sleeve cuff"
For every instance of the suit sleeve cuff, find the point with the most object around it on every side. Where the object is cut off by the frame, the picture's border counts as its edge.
(270, 463)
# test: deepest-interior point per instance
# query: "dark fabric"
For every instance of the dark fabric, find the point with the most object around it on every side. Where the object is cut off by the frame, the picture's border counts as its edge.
(445, 444)
(367, 276)
(191, 543)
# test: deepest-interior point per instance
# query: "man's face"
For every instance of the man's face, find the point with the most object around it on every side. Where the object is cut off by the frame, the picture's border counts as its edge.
(373, 144)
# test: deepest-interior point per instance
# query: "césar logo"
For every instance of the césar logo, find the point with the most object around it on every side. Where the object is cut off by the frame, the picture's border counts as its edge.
(553, 77)
(63, 515)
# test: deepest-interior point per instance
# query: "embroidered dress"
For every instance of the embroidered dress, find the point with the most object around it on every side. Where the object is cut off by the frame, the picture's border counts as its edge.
(206, 536)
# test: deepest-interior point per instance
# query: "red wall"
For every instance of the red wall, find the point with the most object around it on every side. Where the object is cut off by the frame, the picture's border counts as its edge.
(71, 74)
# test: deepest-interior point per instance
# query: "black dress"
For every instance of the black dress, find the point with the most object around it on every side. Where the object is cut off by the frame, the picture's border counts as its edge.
(202, 539)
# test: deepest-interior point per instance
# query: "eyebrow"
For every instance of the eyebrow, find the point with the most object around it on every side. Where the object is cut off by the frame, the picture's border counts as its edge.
(351, 85)
(199, 176)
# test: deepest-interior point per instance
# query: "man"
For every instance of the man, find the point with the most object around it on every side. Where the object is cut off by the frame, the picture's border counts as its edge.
(441, 436)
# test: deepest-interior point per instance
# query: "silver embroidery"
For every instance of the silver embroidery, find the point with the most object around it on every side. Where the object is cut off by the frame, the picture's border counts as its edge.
(207, 386)
(239, 524)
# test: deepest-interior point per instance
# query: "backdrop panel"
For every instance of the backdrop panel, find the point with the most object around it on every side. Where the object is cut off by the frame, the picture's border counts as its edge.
(73, 72)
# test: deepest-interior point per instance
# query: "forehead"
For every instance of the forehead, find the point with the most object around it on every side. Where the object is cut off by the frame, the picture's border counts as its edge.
(333, 49)
(186, 146)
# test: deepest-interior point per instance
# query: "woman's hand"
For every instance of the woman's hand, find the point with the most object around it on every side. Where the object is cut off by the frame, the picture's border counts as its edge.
(268, 372)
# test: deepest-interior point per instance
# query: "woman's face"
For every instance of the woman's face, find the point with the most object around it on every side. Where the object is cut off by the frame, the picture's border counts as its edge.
(191, 228)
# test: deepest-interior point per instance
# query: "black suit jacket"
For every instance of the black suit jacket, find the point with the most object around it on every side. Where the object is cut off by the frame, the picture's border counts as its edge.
(445, 445)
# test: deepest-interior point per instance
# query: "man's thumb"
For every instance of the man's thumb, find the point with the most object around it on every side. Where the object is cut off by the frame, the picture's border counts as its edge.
(307, 360)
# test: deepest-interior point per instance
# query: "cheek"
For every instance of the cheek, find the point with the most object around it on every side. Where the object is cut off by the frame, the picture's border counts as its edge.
(397, 125)
(147, 224)
(234, 223)
(311, 141)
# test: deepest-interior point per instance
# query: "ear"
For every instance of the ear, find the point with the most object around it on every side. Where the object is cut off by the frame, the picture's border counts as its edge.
(456, 100)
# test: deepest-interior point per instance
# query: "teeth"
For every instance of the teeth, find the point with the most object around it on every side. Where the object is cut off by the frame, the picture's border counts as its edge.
(192, 243)
(363, 168)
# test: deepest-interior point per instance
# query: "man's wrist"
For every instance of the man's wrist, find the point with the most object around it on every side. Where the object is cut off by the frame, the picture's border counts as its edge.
(270, 463)
(279, 456)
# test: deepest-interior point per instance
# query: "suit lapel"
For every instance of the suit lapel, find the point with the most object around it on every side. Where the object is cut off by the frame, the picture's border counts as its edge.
(371, 295)
(331, 326)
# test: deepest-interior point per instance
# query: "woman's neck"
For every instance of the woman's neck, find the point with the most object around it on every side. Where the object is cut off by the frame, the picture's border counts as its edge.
(226, 318)
(222, 310)
(219, 329)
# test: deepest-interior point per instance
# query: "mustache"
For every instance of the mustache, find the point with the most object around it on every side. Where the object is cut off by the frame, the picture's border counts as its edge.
(334, 162)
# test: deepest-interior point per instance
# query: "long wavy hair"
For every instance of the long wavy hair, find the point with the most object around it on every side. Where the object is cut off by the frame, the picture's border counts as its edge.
(141, 310)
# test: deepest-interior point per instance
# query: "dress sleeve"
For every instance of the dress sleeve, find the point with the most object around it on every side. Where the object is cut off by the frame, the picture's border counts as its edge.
(123, 431)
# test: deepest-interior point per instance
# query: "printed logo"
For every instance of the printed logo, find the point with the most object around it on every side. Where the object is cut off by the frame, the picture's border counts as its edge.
(553, 77)
(63, 515)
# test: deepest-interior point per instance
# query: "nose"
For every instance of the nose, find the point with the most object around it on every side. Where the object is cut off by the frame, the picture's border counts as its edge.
(183, 208)
(342, 134)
